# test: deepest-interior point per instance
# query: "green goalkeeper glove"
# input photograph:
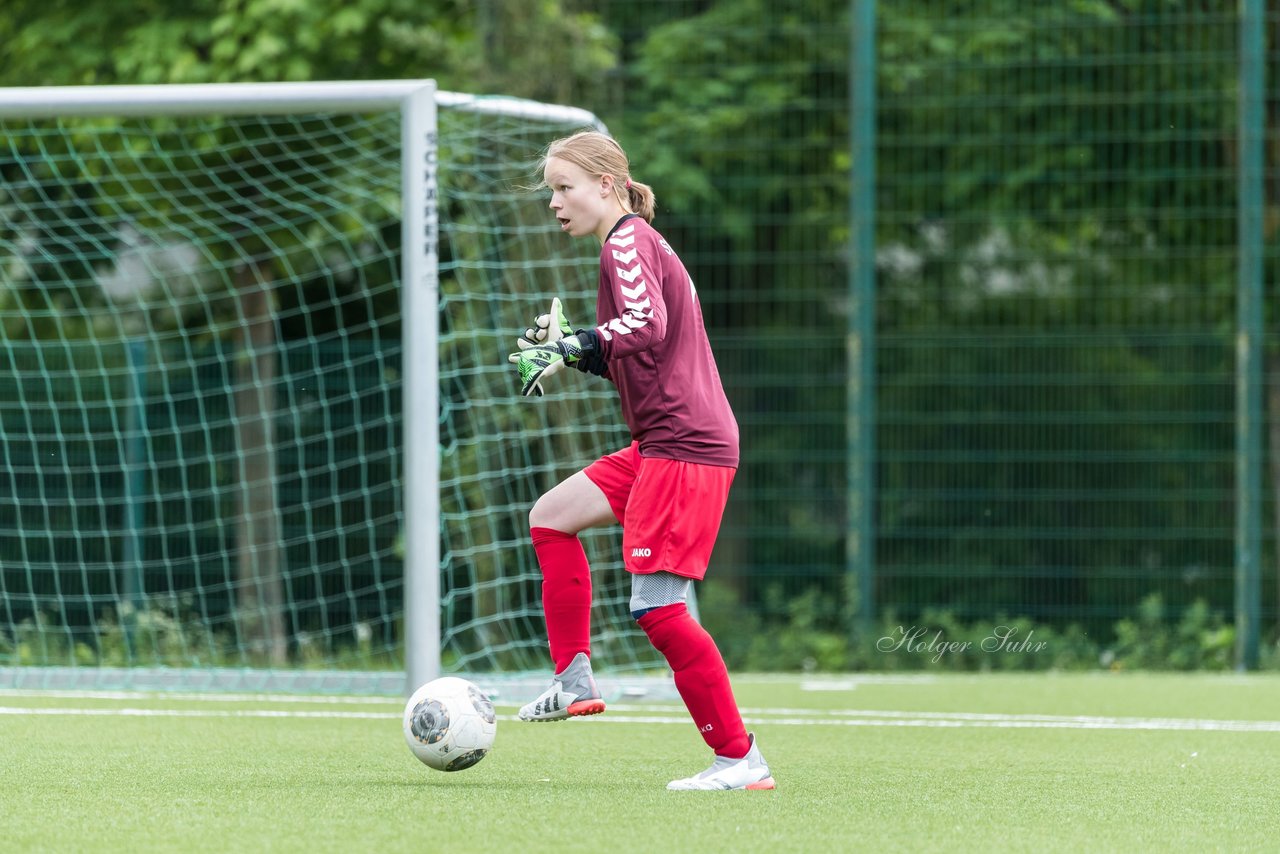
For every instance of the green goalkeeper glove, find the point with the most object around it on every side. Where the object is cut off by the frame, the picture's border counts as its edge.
(549, 345)
(536, 363)
(547, 328)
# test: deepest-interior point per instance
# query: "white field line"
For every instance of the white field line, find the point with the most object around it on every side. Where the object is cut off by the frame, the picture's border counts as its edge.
(996, 722)
(324, 699)
(979, 718)
(778, 717)
(196, 713)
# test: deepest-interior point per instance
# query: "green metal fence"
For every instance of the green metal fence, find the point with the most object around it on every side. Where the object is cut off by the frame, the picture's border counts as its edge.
(1031, 251)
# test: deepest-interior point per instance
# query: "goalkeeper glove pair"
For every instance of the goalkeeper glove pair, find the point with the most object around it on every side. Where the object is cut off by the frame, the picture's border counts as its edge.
(549, 345)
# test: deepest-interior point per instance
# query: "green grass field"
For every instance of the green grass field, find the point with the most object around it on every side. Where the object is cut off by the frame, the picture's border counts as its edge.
(1103, 762)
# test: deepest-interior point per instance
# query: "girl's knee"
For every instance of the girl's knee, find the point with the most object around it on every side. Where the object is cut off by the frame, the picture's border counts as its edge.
(542, 513)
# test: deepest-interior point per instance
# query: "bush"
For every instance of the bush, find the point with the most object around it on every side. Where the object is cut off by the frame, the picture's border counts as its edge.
(1201, 640)
(806, 636)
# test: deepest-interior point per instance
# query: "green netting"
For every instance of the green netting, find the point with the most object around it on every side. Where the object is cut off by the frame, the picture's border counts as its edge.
(200, 403)
(200, 435)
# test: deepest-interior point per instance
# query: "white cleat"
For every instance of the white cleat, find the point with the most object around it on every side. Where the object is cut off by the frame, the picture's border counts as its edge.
(749, 772)
(573, 693)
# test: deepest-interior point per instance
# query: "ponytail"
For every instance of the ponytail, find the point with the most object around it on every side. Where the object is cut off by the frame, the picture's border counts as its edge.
(640, 199)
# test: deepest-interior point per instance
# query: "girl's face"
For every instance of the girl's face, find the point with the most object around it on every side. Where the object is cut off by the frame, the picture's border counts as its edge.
(584, 204)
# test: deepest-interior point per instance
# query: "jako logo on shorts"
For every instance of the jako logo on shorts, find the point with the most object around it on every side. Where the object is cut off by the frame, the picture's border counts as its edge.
(642, 553)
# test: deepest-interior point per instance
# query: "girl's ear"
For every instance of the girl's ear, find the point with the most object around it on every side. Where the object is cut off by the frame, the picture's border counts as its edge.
(606, 185)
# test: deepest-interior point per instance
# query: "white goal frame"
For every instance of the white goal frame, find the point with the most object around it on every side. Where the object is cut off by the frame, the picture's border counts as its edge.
(418, 102)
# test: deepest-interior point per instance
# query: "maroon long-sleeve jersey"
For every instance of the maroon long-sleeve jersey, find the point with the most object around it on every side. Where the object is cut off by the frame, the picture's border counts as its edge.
(651, 332)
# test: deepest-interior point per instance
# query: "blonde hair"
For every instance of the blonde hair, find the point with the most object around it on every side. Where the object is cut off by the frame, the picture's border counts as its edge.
(599, 154)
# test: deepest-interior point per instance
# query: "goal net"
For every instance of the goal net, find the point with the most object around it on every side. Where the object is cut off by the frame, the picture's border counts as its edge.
(211, 375)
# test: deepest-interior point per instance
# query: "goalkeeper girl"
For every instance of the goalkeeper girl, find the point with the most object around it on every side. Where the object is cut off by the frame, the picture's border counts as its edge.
(668, 488)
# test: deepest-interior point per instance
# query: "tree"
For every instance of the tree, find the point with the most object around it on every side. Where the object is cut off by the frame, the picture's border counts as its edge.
(461, 46)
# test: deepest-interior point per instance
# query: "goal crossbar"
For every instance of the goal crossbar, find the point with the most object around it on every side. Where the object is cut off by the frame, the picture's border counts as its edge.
(30, 102)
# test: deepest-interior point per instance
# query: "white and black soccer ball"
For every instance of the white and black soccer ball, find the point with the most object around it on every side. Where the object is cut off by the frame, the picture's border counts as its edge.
(449, 724)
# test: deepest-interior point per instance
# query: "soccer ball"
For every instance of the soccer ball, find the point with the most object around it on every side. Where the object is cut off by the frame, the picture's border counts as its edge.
(449, 724)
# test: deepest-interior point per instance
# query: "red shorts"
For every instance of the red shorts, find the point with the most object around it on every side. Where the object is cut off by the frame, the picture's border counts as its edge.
(670, 510)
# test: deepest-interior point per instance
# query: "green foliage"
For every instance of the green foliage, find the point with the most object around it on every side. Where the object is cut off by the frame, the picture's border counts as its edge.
(805, 635)
(159, 635)
(468, 47)
(486, 47)
(1034, 138)
(1199, 640)
(164, 634)
(174, 634)
(40, 640)
(804, 639)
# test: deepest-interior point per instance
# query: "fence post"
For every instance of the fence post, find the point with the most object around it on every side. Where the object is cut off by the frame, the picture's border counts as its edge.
(860, 418)
(1249, 335)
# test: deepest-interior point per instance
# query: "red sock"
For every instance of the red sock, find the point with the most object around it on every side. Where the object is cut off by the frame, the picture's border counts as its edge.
(701, 677)
(566, 593)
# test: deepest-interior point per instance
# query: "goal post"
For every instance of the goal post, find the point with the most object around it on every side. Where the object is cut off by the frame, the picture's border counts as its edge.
(257, 424)
(420, 303)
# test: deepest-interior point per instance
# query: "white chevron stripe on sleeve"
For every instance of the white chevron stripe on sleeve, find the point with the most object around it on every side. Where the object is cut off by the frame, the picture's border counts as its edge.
(630, 275)
(632, 293)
